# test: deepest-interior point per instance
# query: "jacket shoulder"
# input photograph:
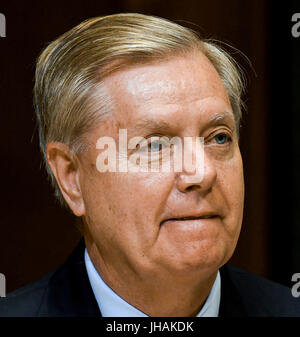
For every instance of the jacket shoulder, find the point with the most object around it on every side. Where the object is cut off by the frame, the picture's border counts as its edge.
(64, 292)
(25, 301)
(262, 297)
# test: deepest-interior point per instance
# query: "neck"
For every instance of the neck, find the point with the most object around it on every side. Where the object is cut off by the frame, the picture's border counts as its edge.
(158, 295)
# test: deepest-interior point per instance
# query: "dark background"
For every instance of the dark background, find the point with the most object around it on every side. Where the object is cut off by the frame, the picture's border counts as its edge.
(36, 235)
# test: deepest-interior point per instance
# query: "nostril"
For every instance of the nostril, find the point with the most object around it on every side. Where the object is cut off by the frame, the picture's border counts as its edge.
(192, 187)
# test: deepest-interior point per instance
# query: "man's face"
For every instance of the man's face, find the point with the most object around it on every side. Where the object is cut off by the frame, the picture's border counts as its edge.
(126, 214)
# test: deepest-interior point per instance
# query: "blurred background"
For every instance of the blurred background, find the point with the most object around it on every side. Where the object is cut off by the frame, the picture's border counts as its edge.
(36, 235)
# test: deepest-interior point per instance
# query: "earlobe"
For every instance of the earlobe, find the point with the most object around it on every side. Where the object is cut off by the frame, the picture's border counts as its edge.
(65, 168)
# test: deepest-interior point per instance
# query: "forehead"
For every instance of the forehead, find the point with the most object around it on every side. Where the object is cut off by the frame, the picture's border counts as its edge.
(176, 87)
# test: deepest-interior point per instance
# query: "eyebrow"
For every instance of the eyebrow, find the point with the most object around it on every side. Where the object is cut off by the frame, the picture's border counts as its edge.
(222, 118)
(161, 125)
(152, 124)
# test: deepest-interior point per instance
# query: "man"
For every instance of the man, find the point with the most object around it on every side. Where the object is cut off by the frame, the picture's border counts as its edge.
(156, 242)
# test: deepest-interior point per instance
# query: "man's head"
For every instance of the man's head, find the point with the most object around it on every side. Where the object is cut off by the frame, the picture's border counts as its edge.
(150, 77)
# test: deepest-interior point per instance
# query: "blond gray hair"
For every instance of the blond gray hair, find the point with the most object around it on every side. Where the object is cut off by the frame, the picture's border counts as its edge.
(69, 95)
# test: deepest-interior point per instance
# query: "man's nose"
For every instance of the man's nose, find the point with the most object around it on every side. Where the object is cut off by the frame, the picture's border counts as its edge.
(199, 170)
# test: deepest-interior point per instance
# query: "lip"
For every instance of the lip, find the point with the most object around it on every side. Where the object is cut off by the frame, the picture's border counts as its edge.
(208, 216)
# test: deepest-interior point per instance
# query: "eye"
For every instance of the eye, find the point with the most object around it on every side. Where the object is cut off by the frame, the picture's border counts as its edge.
(155, 146)
(222, 138)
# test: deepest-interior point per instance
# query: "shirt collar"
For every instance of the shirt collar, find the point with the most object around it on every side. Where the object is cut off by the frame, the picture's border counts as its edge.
(112, 305)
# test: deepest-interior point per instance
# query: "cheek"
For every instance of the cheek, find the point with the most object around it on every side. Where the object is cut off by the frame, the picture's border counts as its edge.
(132, 201)
(232, 181)
(144, 193)
(145, 202)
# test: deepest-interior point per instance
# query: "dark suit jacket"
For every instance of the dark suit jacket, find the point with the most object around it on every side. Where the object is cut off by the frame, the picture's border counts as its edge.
(66, 292)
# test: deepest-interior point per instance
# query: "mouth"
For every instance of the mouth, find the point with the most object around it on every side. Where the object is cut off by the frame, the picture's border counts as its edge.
(203, 217)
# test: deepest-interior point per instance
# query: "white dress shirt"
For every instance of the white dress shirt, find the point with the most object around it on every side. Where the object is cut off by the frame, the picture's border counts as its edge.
(112, 305)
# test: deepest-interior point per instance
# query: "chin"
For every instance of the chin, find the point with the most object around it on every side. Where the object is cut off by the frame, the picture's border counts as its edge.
(203, 259)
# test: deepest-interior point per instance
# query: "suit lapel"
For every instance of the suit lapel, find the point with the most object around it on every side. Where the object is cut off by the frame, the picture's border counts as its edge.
(69, 293)
(231, 304)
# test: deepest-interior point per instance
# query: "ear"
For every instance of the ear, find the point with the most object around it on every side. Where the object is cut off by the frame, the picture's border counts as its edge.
(65, 168)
